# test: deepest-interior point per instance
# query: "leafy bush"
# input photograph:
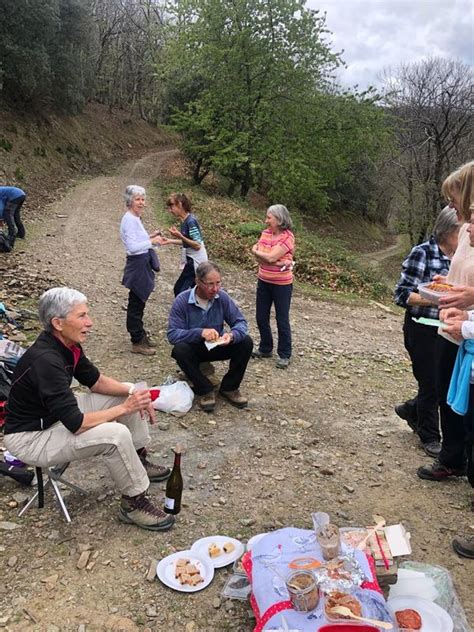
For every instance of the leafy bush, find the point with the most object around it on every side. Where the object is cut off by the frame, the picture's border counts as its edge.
(250, 229)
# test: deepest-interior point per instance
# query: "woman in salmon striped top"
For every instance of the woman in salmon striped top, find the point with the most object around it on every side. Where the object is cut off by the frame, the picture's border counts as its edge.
(274, 254)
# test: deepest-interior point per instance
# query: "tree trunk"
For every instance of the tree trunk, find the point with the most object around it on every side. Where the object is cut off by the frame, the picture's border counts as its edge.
(198, 175)
(246, 181)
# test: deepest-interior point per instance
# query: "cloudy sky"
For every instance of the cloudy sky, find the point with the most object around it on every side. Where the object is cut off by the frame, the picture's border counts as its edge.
(379, 33)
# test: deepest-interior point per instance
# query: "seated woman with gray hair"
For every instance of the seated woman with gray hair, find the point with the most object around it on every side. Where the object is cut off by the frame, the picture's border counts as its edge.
(274, 253)
(47, 425)
(141, 265)
(425, 261)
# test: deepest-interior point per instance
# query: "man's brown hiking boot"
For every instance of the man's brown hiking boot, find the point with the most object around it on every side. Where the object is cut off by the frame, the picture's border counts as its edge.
(143, 348)
(207, 402)
(140, 511)
(235, 398)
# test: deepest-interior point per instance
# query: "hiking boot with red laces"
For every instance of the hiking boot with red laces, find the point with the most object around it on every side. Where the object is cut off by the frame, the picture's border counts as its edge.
(138, 510)
(438, 472)
(235, 398)
(156, 473)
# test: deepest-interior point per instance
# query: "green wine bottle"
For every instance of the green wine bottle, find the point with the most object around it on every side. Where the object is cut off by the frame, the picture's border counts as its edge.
(174, 485)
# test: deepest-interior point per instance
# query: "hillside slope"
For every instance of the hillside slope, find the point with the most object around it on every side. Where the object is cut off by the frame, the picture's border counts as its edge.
(42, 154)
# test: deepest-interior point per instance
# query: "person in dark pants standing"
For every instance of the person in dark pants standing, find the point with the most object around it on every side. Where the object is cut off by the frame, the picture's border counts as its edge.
(425, 260)
(274, 253)
(196, 331)
(189, 237)
(11, 201)
(142, 263)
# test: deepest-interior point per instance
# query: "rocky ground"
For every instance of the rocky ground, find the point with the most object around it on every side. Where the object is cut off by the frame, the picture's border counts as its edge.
(320, 436)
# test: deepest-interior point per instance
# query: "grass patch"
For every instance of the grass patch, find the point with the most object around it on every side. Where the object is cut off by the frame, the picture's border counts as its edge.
(5, 144)
(232, 226)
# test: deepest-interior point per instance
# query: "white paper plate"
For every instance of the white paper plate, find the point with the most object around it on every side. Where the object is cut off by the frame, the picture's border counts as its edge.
(166, 568)
(434, 618)
(254, 539)
(200, 547)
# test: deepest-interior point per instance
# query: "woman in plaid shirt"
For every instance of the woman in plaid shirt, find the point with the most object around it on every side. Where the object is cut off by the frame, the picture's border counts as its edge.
(425, 260)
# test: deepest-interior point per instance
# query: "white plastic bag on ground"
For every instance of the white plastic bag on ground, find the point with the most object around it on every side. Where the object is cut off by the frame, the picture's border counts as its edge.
(176, 398)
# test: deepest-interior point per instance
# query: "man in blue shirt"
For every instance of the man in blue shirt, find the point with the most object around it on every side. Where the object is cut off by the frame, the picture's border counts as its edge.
(11, 201)
(196, 331)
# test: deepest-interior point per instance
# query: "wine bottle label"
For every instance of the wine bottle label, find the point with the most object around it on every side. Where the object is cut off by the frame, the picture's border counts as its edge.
(169, 503)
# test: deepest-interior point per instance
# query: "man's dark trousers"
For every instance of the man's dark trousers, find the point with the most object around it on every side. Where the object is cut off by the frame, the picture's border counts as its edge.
(190, 355)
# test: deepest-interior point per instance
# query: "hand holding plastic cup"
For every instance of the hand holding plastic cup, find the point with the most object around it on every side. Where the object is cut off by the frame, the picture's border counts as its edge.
(141, 386)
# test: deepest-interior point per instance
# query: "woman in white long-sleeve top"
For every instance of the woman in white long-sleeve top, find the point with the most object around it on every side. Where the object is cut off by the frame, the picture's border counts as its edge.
(141, 265)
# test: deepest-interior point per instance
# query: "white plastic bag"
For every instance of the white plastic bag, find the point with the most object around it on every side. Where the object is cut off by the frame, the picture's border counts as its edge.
(176, 398)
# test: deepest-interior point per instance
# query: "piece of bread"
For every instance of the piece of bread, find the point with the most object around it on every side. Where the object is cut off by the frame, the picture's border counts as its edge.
(214, 550)
(191, 569)
(228, 547)
(178, 571)
(184, 578)
(182, 562)
(196, 579)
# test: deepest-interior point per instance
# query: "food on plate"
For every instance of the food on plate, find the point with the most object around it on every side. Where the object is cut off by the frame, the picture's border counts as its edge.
(186, 573)
(180, 567)
(440, 287)
(228, 547)
(181, 562)
(214, 550)
(336, 599)
(408, 619)
(191, 569)
(184, 578)
(196, 579)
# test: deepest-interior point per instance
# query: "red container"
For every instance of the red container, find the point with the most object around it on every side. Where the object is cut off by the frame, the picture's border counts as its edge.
(348, 627)
(154, 393)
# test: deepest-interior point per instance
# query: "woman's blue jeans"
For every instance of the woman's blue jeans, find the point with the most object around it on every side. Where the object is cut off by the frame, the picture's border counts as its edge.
(269, 294)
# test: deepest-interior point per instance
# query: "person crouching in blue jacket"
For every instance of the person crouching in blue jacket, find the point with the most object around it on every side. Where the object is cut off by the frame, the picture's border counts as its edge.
(196, 331)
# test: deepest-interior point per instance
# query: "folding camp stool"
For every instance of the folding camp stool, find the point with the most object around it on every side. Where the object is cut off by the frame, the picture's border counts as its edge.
(55, 476)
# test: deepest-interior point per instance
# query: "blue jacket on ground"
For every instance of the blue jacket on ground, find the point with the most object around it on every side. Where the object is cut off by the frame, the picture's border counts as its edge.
(187, 319)
(6, 195)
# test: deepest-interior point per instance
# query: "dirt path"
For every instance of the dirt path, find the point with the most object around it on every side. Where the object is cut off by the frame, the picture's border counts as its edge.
(375, 259)
(320, 436)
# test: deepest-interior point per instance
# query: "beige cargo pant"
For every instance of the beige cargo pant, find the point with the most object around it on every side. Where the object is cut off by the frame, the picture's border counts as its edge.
(116, 442)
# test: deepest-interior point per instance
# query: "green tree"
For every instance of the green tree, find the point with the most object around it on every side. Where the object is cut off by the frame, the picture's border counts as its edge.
(256, 62)
(45, 50)
(254, 98)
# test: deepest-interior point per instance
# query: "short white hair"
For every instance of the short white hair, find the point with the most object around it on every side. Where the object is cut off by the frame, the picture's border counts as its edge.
(131, 192)
(57, 303)
(282, 216)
